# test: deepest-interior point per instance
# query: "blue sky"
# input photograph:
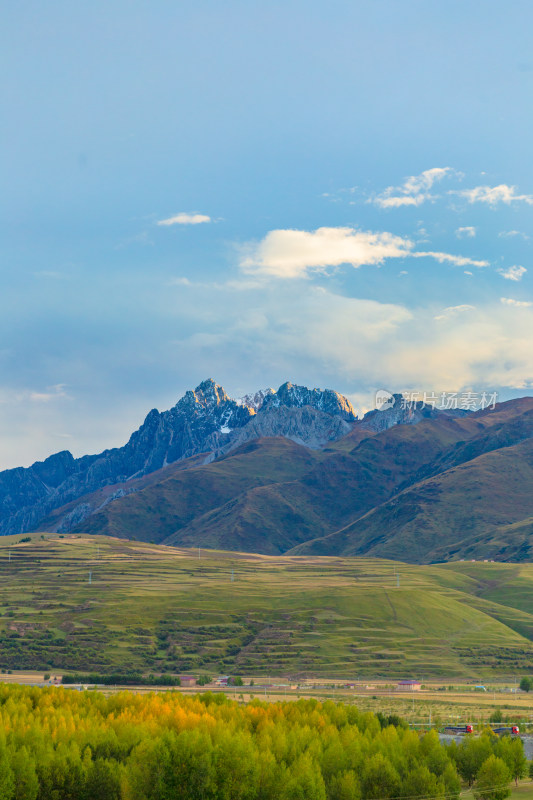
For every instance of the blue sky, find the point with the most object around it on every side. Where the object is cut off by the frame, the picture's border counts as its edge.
(338, 194)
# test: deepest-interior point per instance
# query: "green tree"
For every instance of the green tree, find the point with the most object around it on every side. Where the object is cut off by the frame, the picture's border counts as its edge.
(451, 781)
(344, 787)
(470, 755)
(512, 752)
(493, 780)
(420, 782)
(305, 782)
(380, 779)
(526, 684)
(175, 767)
(26, 781)
(7, 779)
(102, 781)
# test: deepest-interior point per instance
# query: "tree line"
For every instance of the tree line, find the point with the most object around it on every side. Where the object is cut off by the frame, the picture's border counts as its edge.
(61, 744)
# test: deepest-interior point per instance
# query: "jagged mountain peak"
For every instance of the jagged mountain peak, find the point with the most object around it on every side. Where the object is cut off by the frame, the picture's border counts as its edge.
(327, 400)
(207, 394)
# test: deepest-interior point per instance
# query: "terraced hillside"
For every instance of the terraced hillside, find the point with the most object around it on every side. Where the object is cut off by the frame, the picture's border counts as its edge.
(152, 608)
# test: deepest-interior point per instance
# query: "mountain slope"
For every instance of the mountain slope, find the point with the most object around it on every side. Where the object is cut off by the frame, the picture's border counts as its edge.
(157, 511)
(274, 514)
(478, 493)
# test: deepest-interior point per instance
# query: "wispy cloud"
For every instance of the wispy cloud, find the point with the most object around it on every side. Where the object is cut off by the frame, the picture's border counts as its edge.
(453, 311)
(493, 195)
(508, 301)
(458, 261)
(49, 273)
(468, 232)
(185, 218)
(513, 273)
(414, 191)
(51, 393)
(510, 234)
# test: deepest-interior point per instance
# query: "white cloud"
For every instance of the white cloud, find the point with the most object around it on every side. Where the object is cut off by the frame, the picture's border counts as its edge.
(453, 311)
(181, 281)
(468, 232)
(51, 393)
(414, 191)
(458, 261)
(386, 201)
(492, 195)
(509, 234)
(513, 273)
(350, 343)
(508, 301)
(185, 218)
(295, 253)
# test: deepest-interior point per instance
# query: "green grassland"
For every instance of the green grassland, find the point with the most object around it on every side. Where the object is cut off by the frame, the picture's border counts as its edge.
(152, 608)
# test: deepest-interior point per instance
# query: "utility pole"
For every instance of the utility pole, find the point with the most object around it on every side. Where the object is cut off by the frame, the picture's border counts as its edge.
(198, 553)
(9, 555)
(90, 577)
(232, 576)
(398, 580)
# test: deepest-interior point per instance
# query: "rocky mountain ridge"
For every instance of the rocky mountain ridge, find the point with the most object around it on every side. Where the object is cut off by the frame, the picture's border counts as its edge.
(204, 421)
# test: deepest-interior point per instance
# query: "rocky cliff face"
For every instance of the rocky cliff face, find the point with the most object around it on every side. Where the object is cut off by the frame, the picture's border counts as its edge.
(205, 420)
(328, 401)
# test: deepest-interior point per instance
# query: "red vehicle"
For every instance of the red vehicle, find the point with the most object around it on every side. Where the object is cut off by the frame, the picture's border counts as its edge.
(459, 729)
(511, 730)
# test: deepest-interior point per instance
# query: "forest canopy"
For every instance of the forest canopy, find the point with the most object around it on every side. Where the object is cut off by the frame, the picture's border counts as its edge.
(61, 744)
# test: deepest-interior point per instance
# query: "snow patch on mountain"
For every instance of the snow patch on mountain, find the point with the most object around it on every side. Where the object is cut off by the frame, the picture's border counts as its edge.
(254, 401)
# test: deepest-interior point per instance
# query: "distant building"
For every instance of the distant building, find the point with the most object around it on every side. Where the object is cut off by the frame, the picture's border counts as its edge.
(408, 686)
(222, 680)
(187, 680)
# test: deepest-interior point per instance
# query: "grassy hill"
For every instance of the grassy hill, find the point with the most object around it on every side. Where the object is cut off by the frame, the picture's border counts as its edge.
(155, 608)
